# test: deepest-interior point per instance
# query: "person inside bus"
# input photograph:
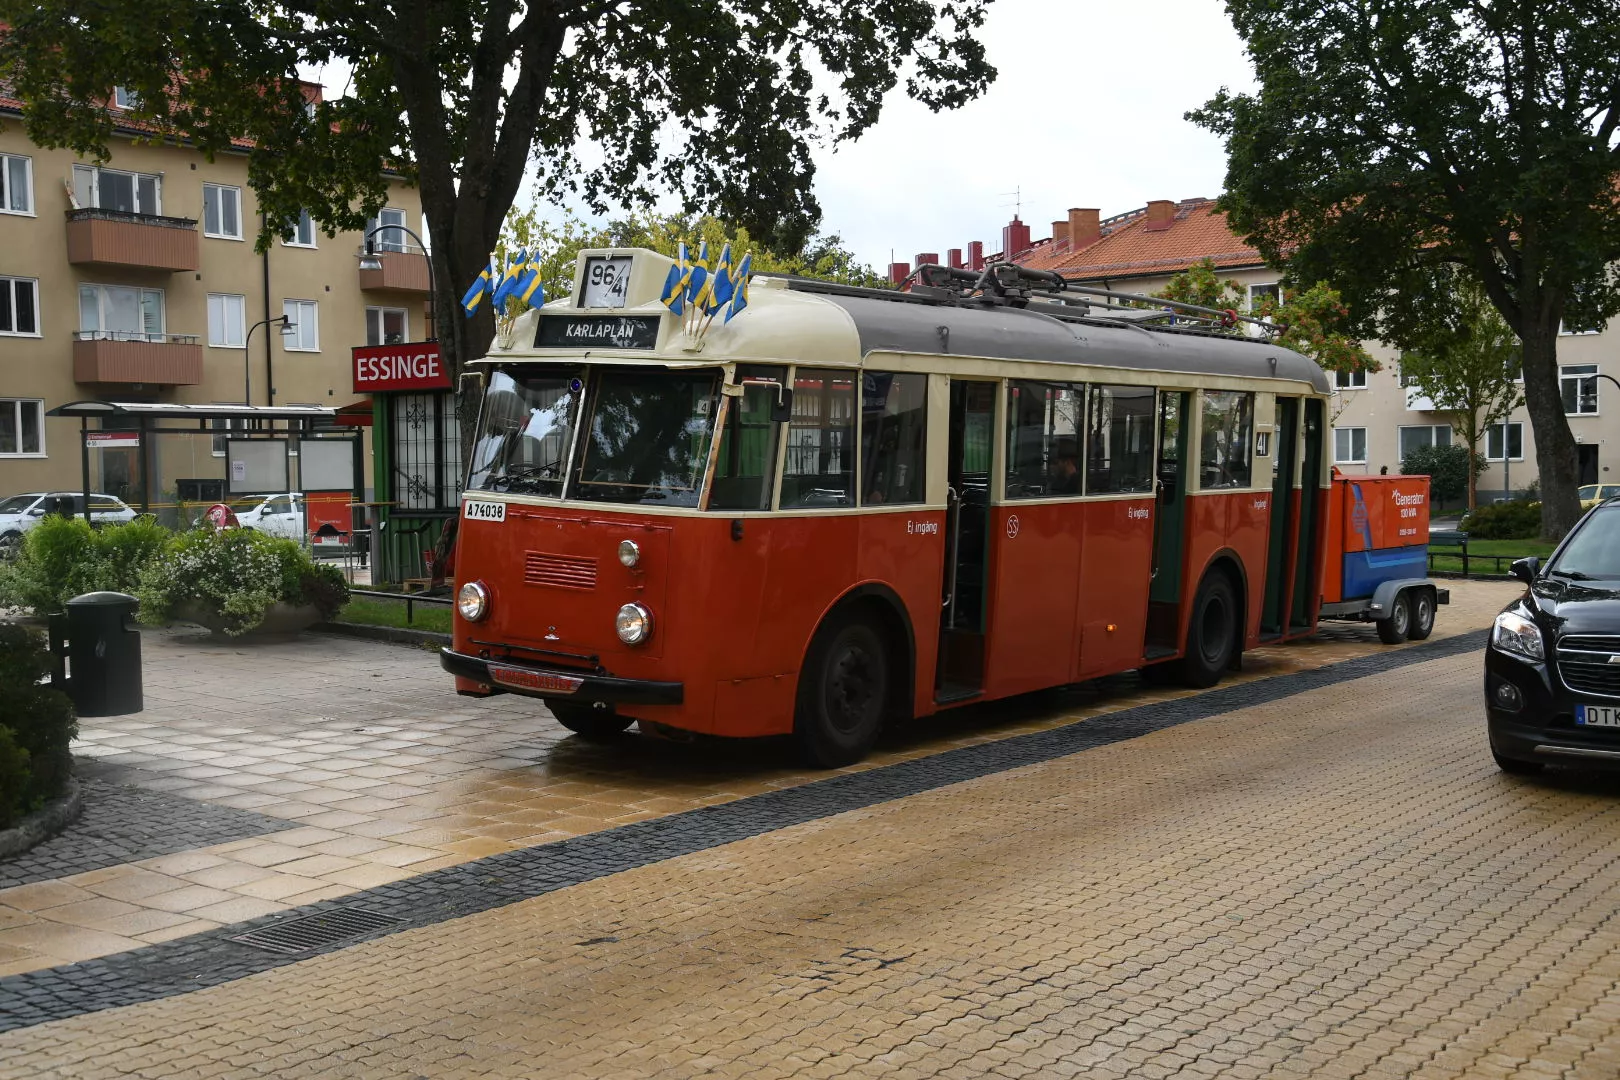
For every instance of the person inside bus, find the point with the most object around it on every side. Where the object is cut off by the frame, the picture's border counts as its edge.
(1065, 469)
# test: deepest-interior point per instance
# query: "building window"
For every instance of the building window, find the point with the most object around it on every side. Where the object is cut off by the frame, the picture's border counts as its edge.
(22, 427)
(1350, 380)
(118, 313)
(224, 428)
(302, 233)
(387, 325)
(388, 239)
(304, 318)
(1580, 388)
(1512, 434)
(222, 212)
(19, 306)
(112, 189)
(1421, 435)
(1350, 445)
(125, 98)
(1571, 327)
(227, 320)
(1260, 294)
(16, 184)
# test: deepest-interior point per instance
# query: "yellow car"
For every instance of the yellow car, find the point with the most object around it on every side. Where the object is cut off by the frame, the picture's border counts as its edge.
(1592, 494)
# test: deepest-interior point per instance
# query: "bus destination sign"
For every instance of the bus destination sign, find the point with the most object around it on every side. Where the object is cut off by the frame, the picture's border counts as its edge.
(603, 332)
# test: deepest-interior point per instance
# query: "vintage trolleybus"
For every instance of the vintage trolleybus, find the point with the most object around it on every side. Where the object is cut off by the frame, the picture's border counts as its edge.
(848, 506)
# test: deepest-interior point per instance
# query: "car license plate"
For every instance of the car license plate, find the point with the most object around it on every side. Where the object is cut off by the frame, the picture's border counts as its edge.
(1597, 716)
(485, 511)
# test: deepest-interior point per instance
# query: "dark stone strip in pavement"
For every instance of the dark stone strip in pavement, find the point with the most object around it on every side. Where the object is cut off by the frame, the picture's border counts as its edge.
(211, 958)
(122, 824)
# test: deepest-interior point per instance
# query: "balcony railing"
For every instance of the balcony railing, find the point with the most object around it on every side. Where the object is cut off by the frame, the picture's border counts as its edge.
(123, 356)
(401, 270)
(122, 238)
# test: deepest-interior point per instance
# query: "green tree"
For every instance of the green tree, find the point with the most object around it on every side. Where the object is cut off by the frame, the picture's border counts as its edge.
(1393, 144)
(1468, 365)
(612, 102)
(1447, 468)
(1312, 320)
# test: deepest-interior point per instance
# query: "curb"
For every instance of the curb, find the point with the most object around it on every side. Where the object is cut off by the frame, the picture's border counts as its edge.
(41, 825)
(393, 635)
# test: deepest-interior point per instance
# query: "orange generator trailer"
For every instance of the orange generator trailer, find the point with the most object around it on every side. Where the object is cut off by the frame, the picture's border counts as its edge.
(1378, 556)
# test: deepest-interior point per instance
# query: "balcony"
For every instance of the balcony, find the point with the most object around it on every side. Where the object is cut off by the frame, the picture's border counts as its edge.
(119, 238)
(102, 356)
(401, 271)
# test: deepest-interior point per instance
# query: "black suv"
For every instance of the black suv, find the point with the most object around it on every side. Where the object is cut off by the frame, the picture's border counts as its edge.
(1552, 666)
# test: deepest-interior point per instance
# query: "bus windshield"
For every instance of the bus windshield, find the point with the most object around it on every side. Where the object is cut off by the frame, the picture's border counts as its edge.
(527, 425)
(646, 437)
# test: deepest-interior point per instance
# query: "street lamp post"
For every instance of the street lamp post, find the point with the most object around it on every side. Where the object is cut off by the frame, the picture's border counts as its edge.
(372, 261)
(288, 328)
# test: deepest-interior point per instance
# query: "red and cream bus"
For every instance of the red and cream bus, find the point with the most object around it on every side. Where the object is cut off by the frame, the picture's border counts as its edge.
(847, 506)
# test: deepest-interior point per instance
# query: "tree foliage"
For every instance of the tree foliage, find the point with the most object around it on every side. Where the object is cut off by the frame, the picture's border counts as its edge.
(1447, 468)
(1394, 145)
(613, 102)
(1313, 319)
(1467, 363)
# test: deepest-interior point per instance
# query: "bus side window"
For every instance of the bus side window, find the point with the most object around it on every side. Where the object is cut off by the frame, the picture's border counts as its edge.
(1227, 444)
(1043, 438)
(1119, 440)
(894, 426)
(820, 466)
(747, 461)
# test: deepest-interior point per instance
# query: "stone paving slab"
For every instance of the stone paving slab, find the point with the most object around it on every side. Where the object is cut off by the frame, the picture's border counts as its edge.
(384, 773)
(1336, 883)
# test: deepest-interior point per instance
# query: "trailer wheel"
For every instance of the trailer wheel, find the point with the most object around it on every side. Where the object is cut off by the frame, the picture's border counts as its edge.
(1422, 615)
(589, 722)
(843, 693)
(1212, 635)
(1393, 630)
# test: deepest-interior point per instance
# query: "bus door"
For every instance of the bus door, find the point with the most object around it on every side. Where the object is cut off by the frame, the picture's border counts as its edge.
(964, 596)
(1169, 525)
(1307, 554)
(1283, 545)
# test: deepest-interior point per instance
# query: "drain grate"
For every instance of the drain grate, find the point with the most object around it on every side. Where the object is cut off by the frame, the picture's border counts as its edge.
(317, 931)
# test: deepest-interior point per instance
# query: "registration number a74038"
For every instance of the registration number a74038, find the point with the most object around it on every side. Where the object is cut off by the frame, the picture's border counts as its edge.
(1597, 716)
(475, 510)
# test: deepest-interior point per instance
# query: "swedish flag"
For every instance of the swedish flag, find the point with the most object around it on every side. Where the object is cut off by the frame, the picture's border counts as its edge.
(702, 256)
(739, 292)
(530, 289)
(509, 283)
(674, 296)
(721, 283)
(482, 286)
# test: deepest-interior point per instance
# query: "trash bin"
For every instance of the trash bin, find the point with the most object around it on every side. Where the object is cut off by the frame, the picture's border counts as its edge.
(104, 652)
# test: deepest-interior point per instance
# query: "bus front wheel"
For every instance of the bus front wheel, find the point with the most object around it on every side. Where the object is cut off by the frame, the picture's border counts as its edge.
(587, 721)
(1212, 635)
(843, 693)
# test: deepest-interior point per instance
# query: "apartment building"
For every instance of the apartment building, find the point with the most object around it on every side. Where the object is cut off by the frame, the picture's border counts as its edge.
(1377, 419)
(137, 280)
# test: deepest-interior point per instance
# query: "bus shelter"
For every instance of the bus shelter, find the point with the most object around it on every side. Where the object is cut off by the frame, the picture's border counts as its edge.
(255, 450)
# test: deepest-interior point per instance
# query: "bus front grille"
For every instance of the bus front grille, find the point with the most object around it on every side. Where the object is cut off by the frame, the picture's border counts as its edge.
(559, 571)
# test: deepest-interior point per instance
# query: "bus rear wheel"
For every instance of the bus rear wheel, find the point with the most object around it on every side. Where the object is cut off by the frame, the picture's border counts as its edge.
(1212, 635)
(589, 722)
(843, 694)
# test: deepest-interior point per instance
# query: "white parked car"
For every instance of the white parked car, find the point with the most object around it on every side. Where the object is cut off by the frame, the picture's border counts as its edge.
(20, 513)
(276, 515)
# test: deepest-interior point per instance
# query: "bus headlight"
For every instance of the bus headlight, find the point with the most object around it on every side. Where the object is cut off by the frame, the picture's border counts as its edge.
(629, 552)
(473, 601)
(634, 624)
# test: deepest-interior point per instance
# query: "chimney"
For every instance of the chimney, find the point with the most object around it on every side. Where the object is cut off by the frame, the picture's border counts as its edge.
(928, 257)
(976, 255)
(1060, 232)
(898, 272)
(1014, 240)
(1085, 228)
(1161, 214)
(953, 258)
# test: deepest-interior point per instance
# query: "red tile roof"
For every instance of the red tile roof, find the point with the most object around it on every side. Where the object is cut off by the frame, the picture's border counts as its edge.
(1126, 249)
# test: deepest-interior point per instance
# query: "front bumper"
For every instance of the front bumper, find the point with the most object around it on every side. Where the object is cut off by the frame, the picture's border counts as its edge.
(549, 682)
(1543, 728)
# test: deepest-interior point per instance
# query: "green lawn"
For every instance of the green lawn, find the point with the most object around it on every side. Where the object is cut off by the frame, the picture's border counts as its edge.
(1449, 559)
(434, 617)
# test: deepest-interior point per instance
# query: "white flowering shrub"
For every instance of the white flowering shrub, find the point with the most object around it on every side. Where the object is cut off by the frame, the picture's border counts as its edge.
(234, 576)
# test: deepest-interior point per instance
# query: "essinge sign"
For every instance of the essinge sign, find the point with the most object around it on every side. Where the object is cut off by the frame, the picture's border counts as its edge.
(410, 366)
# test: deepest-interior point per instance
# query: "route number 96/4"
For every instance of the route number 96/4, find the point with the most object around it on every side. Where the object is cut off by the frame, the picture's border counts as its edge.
(607, 281)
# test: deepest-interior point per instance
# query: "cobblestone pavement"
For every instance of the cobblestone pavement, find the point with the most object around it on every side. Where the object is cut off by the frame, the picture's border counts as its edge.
(383, 773)
(1332, 883)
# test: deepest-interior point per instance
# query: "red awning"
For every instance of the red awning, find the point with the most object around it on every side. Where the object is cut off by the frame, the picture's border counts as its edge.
(355, 415)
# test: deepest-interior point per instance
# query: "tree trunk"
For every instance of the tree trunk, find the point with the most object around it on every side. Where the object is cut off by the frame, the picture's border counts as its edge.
(1555, 445)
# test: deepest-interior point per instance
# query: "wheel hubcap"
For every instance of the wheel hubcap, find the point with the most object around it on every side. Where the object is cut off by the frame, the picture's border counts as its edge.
(1213, 630)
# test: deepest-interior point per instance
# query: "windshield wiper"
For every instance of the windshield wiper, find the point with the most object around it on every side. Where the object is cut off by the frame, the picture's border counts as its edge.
(1572, 575)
